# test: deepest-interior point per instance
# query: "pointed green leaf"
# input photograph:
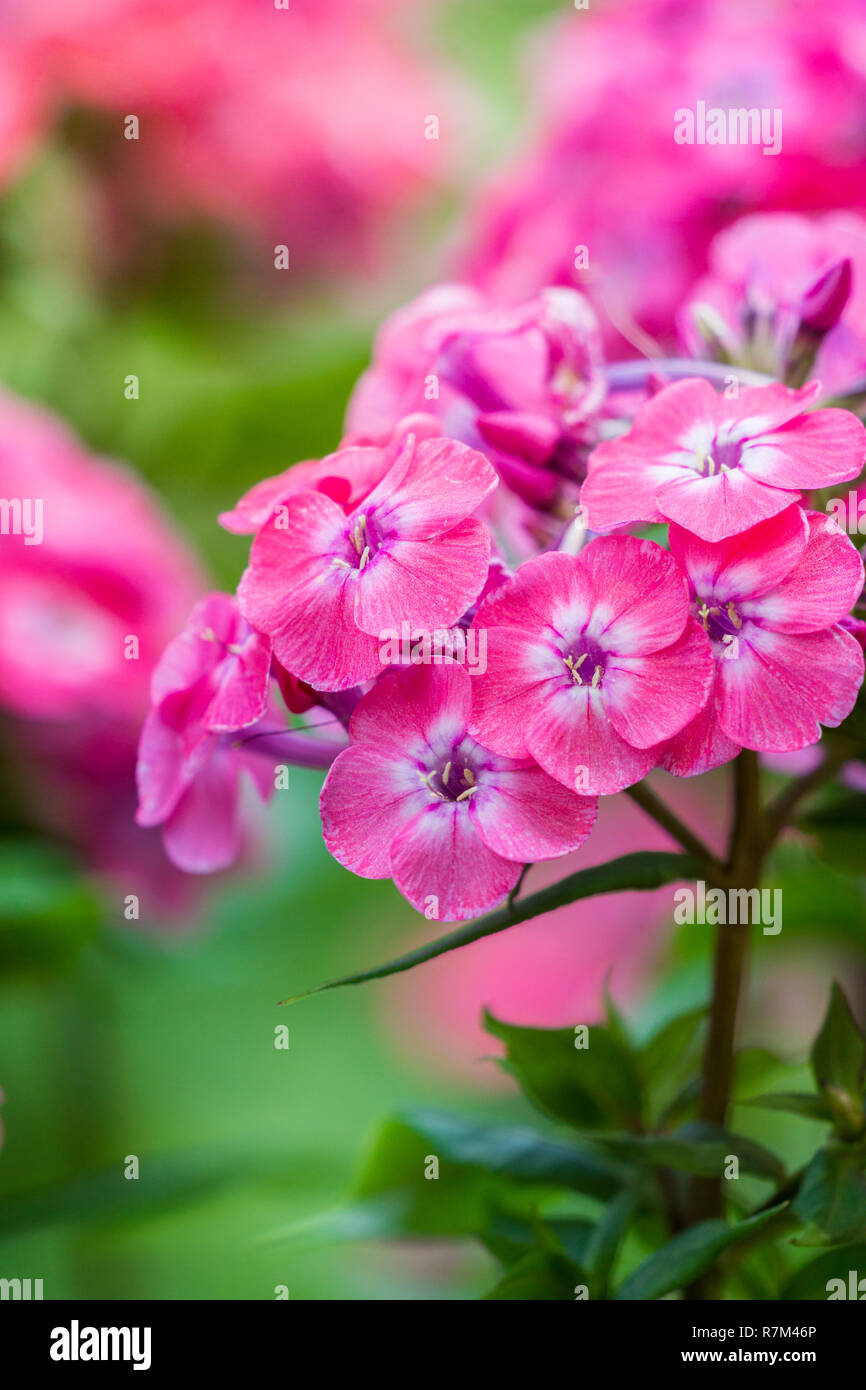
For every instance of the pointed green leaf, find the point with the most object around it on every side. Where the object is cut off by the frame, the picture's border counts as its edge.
(700, 1149)
(803, 1103)
(644, 871)
(590, 1085)
(541, 1275)
(832, 1196)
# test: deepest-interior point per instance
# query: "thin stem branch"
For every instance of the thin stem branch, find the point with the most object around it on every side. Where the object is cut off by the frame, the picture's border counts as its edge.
(778, 813)
(662, 814)
(293, 746)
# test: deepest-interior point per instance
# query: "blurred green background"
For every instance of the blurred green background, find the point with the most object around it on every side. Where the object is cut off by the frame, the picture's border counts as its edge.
(116, 1041)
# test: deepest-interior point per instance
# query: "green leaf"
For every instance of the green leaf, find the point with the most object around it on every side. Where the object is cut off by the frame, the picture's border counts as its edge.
(481, 1169)
(839, 1053)
(509, 1237)
(644, 871)
(540, 1275)
(804, 1103)
(607, 1235)
(585, 1086)
(691, 1254)
(832, 1196)
(47, 912)
(697, 1148)
(810, 1281)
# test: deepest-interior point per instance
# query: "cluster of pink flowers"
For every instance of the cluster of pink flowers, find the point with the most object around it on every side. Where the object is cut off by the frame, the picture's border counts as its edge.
(604, 173)
(489, 486)
(303, 123)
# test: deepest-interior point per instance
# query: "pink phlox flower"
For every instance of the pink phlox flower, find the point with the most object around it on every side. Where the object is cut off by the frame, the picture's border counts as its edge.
(328, 585)
(416, 798)
(212, 681)
(592, 661)
(772, 602)
(718, 466)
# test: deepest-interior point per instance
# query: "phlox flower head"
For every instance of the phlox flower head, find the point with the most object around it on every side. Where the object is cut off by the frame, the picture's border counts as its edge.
(325, 580)
(772, 602)
(416, 798)
(717, 465)
(592, 660)
(211, 681)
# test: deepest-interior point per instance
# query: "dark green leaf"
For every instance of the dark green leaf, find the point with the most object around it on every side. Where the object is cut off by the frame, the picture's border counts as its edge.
(644, 871)
(839, 1053)
(540, 1275)
(585, 1086)
(603, 1244)
(832, 1196)
(810, 1282)
(691, 1254)
(699, 1149)
(481, 1169)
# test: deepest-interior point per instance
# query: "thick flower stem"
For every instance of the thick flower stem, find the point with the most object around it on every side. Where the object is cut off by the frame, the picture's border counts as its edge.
(748, 847)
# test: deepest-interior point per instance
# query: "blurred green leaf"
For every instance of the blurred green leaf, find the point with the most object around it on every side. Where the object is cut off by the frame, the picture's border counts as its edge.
(481, 1169)
(585, 1086)
(47, 912)
(838, 827)
(542, 1274)
(812, 1107)
(832, 1197)
(838, 1055)
(699, 1149)
(810, 1282)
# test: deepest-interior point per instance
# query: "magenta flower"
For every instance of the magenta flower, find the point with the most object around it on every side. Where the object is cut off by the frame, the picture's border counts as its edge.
(324, 583)
(592, 661)
(718, 466)
(770, 272)
(211, 681)
(522, 384)
(415, 798)
(771, 601)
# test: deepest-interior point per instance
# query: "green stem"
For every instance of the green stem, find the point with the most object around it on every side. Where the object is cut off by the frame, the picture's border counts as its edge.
(670, 821)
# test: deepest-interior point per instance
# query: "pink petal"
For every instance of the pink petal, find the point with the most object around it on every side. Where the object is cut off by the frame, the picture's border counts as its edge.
(722, 505)
(759, 409)
(433, 485)
(413, 708)
(428, 583)
(781, 688)
(621, 486)
(528, 816)
(700, 746)
(202, 835)
(813, 451)
(366, 799)
(745, 565)
(522, 673)
(821, 589)
(642, 599)
(550, 591)
(650, 698)
(243, 685)
(573, 739)
(443, 867)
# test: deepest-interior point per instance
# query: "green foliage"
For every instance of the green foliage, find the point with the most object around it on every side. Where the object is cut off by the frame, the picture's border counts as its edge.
(622, 1152)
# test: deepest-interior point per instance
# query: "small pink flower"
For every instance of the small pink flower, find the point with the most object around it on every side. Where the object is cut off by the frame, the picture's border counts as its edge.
(592, 661)
(718, 466)
(211, 681)
(324, 583)
(771, 601)
(415, 798)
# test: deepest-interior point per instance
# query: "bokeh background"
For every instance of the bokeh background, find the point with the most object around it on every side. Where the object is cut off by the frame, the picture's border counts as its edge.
(156, 1038)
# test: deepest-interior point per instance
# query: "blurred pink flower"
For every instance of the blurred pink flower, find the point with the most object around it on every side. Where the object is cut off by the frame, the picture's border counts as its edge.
(605, 173)
(90, 597)
(304, 123)
(760, 271)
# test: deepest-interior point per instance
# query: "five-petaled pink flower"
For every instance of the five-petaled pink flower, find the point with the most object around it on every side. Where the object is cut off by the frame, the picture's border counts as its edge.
(719, 466)
(592, 661)
(325, 583)
(771, 601)
(415, 798)
(210, 681)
